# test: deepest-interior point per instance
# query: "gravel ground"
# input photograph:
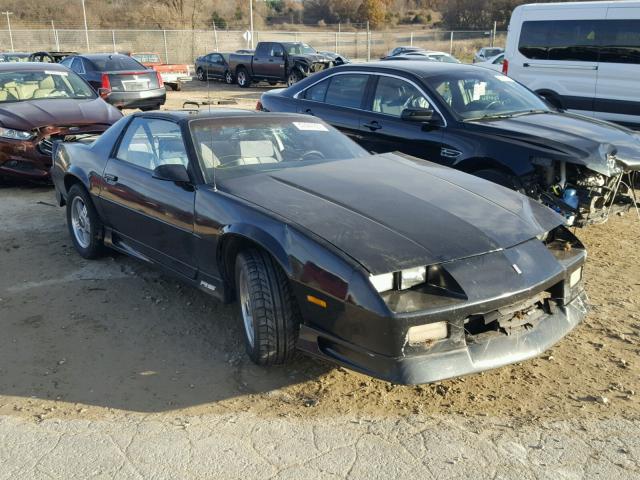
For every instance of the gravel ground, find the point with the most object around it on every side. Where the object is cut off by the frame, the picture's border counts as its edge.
(109, 368)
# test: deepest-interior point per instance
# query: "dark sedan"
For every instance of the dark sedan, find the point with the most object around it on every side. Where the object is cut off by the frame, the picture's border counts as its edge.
(478, 121)
(121, 80)
(39, 105)
(386, 264)
(214, 66)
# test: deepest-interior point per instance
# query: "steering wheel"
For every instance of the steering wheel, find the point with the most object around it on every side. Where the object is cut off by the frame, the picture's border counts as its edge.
(313, 155)
(493, 104)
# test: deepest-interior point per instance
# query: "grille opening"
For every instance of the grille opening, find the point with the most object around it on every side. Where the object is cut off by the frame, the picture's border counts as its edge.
(511, 319)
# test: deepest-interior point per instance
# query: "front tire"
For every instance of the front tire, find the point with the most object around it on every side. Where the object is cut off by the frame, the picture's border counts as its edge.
(200, 74)
(244, 81)
(228, 77)
(84, 223)
(268, 311)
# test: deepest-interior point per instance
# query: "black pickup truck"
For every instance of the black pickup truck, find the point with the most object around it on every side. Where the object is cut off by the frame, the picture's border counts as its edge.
(280, 62)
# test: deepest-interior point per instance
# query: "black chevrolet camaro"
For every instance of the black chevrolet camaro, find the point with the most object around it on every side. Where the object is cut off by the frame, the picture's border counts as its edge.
(478, 121)
(389, 265)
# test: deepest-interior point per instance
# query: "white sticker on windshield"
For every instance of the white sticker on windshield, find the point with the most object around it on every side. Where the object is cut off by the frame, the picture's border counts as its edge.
(310, 127)
(56, 72)
(504, 78)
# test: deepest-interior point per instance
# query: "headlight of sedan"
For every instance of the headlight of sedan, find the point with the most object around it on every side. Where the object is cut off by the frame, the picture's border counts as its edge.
(15, 134)
(401, 280)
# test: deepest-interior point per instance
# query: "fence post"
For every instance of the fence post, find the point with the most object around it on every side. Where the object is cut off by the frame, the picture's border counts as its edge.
(411, 39)
(451, 44)
(113, 40)
(215, 35)
(493, 33)
(55, 36)
(368, 43)
(166, 50)
(337, 37)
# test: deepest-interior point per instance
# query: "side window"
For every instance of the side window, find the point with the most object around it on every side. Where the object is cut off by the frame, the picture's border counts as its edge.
(67, 62)
(263, 50)
(620, 41)
(347, 90)
(215, 58)
(277, 50)
(317, 92)
(499, 60)
(149, 143)
(568, 40)
(77, 66)
(393, 95)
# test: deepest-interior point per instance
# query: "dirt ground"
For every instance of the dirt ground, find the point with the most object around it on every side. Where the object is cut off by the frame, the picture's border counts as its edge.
(112, 337)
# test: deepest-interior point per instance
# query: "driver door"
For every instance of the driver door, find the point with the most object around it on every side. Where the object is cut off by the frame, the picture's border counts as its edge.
(152, 217)
(382, 128)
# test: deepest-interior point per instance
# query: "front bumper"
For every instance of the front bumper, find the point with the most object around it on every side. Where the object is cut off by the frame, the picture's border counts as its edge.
(141, 99)
(435, 366)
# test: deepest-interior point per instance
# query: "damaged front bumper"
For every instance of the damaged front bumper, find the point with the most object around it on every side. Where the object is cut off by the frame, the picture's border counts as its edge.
(470, 358)
(507, 315)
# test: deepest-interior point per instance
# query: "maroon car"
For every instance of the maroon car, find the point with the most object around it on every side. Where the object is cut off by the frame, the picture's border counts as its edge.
(39, 105)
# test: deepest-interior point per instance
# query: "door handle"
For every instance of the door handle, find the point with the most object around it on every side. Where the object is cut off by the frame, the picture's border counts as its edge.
(110, 179)
(373, 126)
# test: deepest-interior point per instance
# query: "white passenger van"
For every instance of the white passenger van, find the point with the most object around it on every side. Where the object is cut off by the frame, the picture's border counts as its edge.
(582, 56)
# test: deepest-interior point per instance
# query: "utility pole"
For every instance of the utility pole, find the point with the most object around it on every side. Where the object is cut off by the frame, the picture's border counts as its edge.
(251, 20)
(86, 29)
(7, 13)
(55, 36)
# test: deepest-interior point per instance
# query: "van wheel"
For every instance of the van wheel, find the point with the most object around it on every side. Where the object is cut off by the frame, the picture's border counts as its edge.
(268, 311)
(84, 223)
(243, 78)
(293, 77)
(499, 177)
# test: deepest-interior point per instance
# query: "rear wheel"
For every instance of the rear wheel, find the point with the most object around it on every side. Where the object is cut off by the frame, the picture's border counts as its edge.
(294, 76)
(243, 78)
(176, 87)
(269, 314)
(84, 223)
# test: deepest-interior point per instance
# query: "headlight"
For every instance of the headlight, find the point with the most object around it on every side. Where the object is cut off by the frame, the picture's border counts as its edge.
(405, 279)
(15, 134)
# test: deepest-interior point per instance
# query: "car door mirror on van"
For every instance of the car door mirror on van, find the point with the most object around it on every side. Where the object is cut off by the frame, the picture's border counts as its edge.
(172, 172)
(422, 115)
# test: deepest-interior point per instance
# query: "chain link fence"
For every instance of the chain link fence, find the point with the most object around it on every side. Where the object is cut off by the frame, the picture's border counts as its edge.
(183, 46)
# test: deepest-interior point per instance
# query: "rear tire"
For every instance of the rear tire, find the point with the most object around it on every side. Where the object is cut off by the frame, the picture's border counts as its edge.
(85, 226)
(268, 312)
(176, 87)
(243, 78)
(293, 77)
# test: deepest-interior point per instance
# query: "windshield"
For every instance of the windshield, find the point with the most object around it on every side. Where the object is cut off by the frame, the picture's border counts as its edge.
(18, 57)
(299, 48)
(41, 85)
(114, 63)
(147, 57)
(246, 146)
(484, 95)
(443, 58)
(492, 52)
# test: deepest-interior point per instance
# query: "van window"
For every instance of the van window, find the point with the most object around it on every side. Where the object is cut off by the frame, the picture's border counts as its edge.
(620, 41)
(568, 40)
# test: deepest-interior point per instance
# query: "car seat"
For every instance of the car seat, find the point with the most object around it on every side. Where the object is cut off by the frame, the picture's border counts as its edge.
(45, 87)
(258, 151)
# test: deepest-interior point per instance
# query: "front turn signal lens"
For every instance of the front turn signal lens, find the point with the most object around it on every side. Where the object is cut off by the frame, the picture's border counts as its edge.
(575, 277)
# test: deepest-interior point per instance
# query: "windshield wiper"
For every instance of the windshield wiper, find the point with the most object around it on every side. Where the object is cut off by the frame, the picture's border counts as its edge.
(508, 115)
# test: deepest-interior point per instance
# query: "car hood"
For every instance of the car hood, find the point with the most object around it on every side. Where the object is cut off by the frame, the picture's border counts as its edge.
(391, 211)
(32, 114)
(582, 140)
(312, 58)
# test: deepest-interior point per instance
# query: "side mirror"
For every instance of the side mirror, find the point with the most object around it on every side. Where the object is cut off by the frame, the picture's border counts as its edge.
(172, 172)
(424, 115)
